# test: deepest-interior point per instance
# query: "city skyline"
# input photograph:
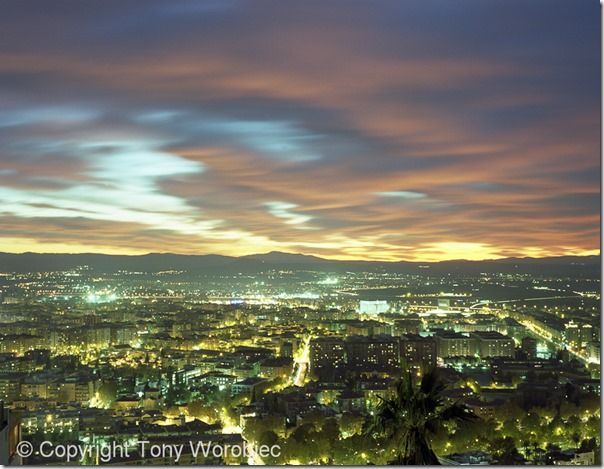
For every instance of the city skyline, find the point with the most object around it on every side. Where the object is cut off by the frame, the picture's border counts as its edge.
(396, 131)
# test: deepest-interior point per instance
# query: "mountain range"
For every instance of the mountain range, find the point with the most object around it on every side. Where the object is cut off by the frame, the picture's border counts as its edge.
(584, 266)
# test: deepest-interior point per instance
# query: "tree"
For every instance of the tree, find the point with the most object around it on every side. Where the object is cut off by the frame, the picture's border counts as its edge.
(464, 436)
(330, 430)
(351, 424)
(588, 445)
(409, 420)
(576, 437)
(269, 439)
(505, 452)
(302, 445)
(203, 411)
(107, 392)
(256, 426)
(316, 418)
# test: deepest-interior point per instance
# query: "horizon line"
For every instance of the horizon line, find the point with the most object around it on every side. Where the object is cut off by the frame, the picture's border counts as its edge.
(486, 259)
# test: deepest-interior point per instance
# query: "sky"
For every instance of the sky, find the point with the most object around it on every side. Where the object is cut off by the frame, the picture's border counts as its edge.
(379, 130)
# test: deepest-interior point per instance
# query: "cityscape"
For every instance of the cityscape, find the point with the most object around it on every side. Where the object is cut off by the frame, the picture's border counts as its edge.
(256, 232)
(299, 357)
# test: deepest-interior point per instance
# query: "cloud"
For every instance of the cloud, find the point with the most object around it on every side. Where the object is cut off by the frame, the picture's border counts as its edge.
(406, 195)
(284, 210)
(185, 127)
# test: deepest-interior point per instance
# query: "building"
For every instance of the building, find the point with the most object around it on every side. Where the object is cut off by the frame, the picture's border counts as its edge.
(454, 344)
(248, 386)
(588, 385)
(10, 436)
(350, 401)
(125, 334)
(366, 328)
(510, 327)
(529, 347)
(485, 410)
(375, 353)
(327, 353)
(21, 343)
(77, 388)
(98, 336)
(547, 325)
(41, 385)
(61, 420)
(578, 335)
(280, 367)
(215, 378)
(493, 344)
(10, 386)
(417, 352)
(125, 403)
(573, 457)
(295, 404)
(407, 326)
(286, 349)
(374, 307)
(506, 368)
(593, 352)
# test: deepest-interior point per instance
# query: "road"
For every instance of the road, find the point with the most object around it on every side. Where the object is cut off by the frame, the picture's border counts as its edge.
(559, 345)
(301, 364)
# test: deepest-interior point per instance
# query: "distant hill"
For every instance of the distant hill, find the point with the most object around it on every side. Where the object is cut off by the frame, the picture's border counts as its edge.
(584, 266)
(276, 257)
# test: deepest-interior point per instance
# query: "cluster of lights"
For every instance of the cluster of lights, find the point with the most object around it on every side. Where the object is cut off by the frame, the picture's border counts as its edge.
(102, 296)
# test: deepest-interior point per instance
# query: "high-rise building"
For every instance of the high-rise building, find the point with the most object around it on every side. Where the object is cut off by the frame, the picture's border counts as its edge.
(418, 352)
(454, 344)
(327, 353)
(578, 335)
(493, 344)
(380, 352)
(407, 326)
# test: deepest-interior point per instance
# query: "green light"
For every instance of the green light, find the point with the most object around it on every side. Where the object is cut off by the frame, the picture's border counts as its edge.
(329, 281)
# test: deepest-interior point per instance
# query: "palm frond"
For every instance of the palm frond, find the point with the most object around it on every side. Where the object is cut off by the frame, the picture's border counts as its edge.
(414, 414)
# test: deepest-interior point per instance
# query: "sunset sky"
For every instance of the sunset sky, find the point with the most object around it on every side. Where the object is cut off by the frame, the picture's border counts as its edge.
(416, 129)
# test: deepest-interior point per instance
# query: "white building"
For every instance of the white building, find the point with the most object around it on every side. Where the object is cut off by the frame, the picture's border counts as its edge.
(373, 307)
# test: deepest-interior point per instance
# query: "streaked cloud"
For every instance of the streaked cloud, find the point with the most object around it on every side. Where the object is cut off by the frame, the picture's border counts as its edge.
(342, 131)
(408, 195)
(285, 210)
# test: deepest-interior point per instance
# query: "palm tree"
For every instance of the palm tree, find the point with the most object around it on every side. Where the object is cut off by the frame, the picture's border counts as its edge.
(413, 415)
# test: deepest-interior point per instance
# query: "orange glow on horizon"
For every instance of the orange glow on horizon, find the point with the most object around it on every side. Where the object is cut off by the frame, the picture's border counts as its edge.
(437, 252)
